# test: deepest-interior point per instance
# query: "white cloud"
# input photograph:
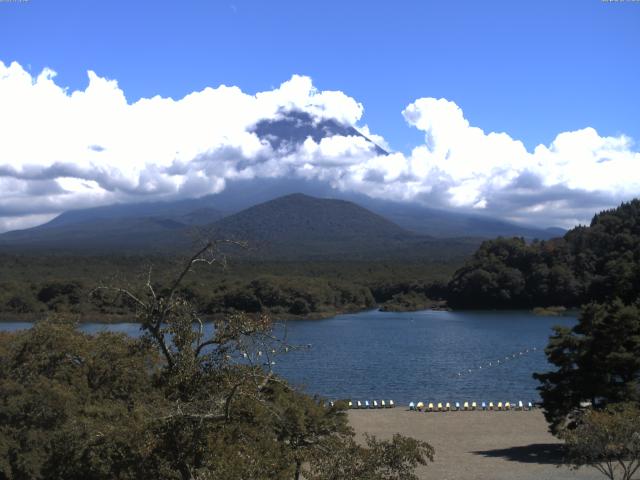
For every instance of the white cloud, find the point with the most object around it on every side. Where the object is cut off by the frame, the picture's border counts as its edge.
(483, 167)
(63, 150)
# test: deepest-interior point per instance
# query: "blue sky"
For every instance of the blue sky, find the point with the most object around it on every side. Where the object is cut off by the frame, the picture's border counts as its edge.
(529, 68)
(558, 76)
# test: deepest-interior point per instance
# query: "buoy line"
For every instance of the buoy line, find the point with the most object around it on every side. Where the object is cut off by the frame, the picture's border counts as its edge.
(496, 363)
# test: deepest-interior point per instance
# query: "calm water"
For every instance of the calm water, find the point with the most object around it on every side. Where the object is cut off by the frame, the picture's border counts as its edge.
(411, 356)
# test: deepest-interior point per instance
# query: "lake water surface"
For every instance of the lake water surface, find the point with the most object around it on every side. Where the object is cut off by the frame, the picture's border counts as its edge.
(410, 356)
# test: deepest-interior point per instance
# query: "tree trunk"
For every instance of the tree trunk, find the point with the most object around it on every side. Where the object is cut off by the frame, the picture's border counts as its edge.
(298, 468)
(185, 472)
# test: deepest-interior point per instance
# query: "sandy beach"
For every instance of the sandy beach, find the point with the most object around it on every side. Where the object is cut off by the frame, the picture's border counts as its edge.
(477, 445)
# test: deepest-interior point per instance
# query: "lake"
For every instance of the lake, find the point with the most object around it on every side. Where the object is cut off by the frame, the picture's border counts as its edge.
(410, 356)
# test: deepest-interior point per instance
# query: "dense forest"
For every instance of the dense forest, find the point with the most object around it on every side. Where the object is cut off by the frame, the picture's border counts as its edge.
(33, 286)
(593, 263)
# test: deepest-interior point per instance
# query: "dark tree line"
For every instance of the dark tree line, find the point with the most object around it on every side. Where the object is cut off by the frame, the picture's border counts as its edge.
(592, 397)
(35, 286)
(594, 263)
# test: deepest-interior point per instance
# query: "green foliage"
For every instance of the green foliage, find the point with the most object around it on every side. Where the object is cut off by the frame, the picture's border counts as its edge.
(608, 441)
(592, 263)
(177, 403)
(32, 286)
(73, 406)
(304, 423)
(344, 459)
(597, 361)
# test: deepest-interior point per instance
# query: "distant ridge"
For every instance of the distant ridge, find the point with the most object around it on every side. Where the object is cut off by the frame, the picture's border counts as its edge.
(299, 225)
(292, 227)
(178, 210)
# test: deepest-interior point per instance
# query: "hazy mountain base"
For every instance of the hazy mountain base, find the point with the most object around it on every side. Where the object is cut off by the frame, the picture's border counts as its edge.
(295, 226)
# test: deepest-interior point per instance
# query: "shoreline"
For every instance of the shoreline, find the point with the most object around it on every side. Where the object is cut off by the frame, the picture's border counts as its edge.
(115, 319)
(108, 319)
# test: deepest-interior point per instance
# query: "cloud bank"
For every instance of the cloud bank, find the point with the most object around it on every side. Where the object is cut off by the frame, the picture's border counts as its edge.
(63, 149)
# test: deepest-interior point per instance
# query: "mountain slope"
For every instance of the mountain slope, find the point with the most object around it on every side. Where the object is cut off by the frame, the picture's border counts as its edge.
(301, 217)
(294, 227)
(180, 210)
(242, 194)
(298, 226)
(124, 235)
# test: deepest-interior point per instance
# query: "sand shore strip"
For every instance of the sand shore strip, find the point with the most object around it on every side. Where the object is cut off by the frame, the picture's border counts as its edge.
(477, 445)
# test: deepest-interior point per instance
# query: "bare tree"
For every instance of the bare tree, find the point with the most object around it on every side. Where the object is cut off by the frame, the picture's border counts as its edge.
(207, 366)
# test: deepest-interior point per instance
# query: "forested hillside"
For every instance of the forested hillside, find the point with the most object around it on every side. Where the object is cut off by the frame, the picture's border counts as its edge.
(591, 263)
(33, 286)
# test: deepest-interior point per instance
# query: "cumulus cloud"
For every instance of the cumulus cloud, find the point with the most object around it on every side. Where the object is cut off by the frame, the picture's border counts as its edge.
(64, 149)
(494, 172)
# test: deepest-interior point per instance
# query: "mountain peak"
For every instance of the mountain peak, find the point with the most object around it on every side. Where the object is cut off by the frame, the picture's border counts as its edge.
(292, 128)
